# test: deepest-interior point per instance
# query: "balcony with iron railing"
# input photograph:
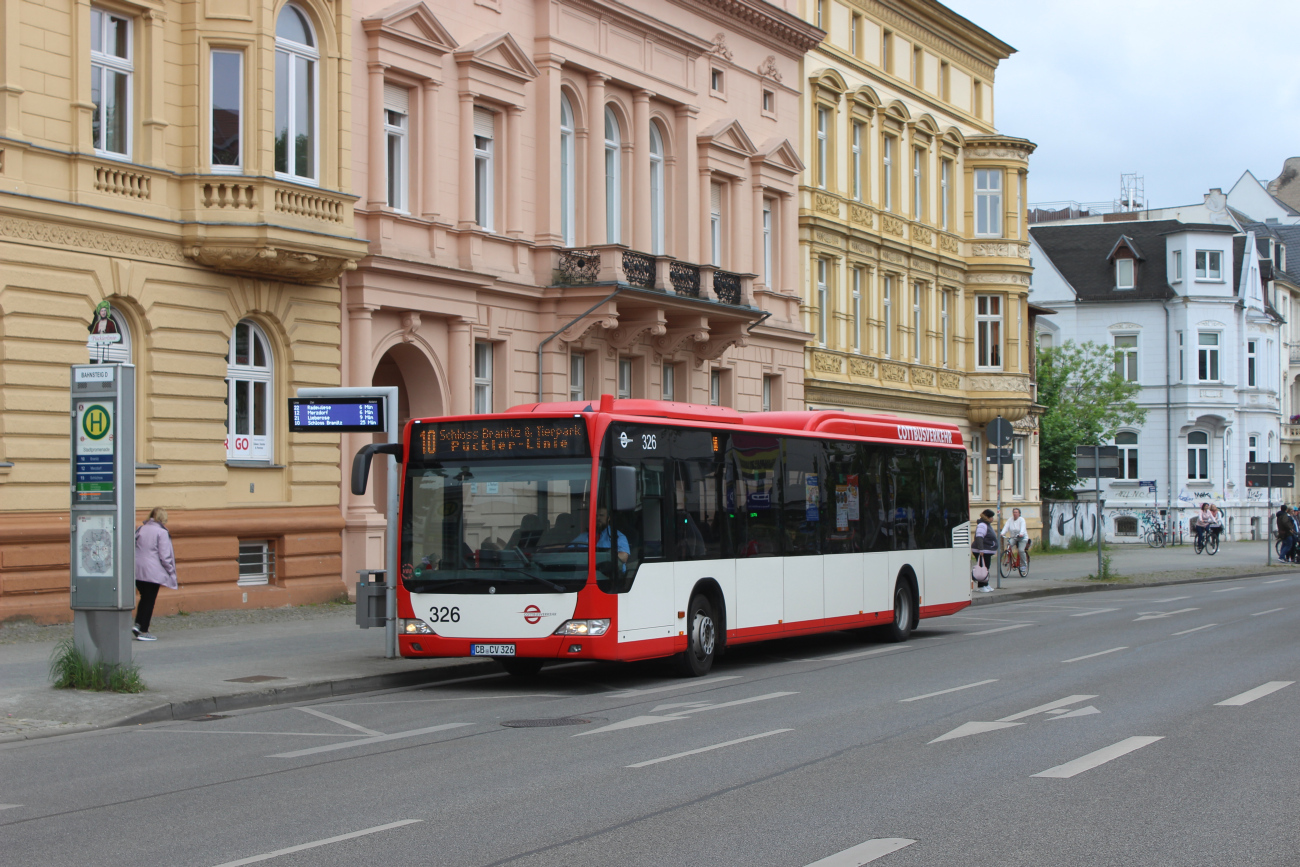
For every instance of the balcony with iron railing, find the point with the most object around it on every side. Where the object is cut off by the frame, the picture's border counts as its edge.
(618, 265)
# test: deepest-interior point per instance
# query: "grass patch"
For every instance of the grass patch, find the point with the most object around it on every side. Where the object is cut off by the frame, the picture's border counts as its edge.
(1107, 573)
(70, 669)
(1076, 545)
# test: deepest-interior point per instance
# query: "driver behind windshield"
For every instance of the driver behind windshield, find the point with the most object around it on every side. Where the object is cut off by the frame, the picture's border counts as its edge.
(603, 538)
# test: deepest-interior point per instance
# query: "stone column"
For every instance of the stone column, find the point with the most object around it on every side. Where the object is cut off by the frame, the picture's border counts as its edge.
(460, 365)
(686, 220)
(756, 208)
(429, 150)
(515, 166)
(465, 219)
(547, 219)
(705, 217)
(737, 261)
(377, 170)
(787, 243)
(641, 208)
(596, 158)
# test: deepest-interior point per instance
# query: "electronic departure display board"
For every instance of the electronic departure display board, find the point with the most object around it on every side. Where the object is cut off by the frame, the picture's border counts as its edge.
(336, 414)
(500, 438)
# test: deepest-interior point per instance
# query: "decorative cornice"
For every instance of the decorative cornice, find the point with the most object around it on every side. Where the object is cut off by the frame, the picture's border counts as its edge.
(90, 240)
(768, 69)
(860, 215)
(999, 249)
(271, 263)
(997, 277)
(720, 49)
(824, 362)
(827, 204)
(769, 19)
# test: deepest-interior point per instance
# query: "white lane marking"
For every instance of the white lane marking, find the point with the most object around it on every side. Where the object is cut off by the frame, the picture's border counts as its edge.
(659, 708)
(9, 806)
(1001, 629)
(367, 741)
(1099, 757)
(1051, 705)
(1098, 611)
(946, 691)
(342, 722)
(1083, 711)
(632, 693)
(765, 697)
(1226, 590)
(1269, 611)
(303, 846)
(1251, 694)
(864, 853)
(1098, 653)
(1277, 580)
(974, 728)
(1197, 629)
(649, 720)
(224, 732)
(1170, 599)
(859, 654)
(1160, 615)
(707, 749)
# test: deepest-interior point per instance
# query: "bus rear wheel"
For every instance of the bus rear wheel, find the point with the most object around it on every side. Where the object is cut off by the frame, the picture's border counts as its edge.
(904, 608)
(520, 667)
(701, 638)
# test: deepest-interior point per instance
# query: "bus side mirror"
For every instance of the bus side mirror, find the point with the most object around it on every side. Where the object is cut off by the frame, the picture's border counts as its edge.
(361, 463)
(624, 489)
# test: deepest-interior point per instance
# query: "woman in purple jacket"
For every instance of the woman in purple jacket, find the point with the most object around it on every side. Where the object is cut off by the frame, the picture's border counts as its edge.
(155, 566)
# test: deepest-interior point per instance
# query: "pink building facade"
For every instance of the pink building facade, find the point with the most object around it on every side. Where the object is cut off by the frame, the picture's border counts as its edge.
(565, 198)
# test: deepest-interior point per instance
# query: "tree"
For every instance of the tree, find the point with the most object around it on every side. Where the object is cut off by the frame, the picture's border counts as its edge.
(1087, 401)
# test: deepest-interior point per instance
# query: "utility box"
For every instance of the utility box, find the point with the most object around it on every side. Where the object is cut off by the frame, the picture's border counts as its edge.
(372, 598)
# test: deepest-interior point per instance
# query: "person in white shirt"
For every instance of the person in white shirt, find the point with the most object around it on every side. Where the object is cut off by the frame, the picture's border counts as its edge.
(1015, 532)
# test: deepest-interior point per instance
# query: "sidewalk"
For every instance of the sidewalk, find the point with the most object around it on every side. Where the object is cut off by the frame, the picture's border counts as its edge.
(217, 661)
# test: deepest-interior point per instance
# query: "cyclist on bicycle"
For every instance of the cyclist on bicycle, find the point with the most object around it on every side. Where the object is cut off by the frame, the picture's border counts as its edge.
(1201, 523)
(1016, 534)
(1216, 523)
(1285, 531)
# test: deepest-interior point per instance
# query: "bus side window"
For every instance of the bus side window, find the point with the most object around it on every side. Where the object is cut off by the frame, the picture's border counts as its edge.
(753, 461)
(877, 501)
(697, 520)
(842, 517)
(802, 496)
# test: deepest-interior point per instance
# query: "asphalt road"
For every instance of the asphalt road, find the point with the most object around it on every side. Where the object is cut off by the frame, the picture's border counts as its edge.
(1150, 726)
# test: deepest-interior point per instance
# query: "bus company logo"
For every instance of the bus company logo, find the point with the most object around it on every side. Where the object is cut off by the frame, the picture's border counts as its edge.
(924, 434)
(533, 615)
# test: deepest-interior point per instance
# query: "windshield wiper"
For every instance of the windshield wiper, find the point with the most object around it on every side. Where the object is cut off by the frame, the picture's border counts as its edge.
(548, 582)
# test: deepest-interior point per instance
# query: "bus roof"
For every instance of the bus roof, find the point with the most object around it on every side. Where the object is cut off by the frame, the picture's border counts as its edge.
(880, 426)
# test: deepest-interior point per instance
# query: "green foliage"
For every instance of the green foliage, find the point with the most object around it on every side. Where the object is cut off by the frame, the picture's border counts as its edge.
(70, 669)
(1107, 573)
(1087, 400)
(1074, 545)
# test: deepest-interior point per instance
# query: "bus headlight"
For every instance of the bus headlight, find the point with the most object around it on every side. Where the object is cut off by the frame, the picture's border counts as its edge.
(413, 627)
(584, 627)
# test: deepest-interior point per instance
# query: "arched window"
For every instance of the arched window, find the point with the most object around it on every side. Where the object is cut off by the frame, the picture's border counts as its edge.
(568, 212)
(296, 95)
(1128, 454)
(110, 337)
(1198, 455)
(656, 190)
(613, 180)
(250, 399)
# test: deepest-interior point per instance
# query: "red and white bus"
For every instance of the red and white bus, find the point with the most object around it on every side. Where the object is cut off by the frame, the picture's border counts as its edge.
(712, 527)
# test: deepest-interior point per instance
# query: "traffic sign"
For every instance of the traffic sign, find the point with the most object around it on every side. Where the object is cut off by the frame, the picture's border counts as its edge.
(1092, 462)
(993, 455)
(999, 432)
(1264, 474)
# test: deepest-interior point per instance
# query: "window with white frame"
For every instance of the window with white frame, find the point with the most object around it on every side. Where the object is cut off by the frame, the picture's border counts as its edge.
(1209, 265)
(855, 35)
(250, 386)
(767, 393)
(856, 328)
(988, 203)
(484, 168)
(624, 378)
(1124, 273)
(887, 173)
(945, 327)
(256, 563)
(988, 331)
(297, 82)
(823, 144)
(1182, 366)
(577, 376)
(1198, 455)
(669, 381)
(857, 161)
(918, 333)
(715, 388)
(613, 179)
(1127, 442)
(945, 192)
(482, 376)
(715, 225)
(822, 300)
(1252, 449)
(768, 278)
(769, 101)
(887, 300)
(918, 184)
(227, 118)
(821, 14)
(1207, 356)
(1177, 266)
(568, 165)
(112, 66)
(656, 190)
(1018, 467)
(1126, 357)
(976, 467)
(1251, 358)
(396, 128)
(716, 80)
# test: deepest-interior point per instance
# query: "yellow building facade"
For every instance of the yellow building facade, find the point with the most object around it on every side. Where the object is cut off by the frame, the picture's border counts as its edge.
(189, 164)
(912, 226)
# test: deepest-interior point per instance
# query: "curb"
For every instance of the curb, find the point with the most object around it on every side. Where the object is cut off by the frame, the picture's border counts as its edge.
(1073, 589)
(182, 710)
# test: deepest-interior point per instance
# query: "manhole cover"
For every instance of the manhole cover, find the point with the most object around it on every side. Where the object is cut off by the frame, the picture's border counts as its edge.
(541, 723)
(254, 678)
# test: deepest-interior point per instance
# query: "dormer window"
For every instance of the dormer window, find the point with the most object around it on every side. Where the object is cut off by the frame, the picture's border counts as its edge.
(1124, 273)
(1209, 265)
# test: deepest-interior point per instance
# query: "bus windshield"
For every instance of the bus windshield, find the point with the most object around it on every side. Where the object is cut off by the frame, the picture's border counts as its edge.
(513, 526)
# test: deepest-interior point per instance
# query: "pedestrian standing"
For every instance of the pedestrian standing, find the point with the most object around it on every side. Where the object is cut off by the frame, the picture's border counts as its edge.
(155, 566)
(985, 547)
(1285, 532)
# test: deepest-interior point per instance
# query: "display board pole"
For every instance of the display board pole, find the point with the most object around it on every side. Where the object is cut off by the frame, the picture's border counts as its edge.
(1096, 477)
(1268, 515)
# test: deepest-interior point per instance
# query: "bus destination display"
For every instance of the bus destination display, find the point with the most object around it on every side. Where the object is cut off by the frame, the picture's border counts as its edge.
(498, 438)
(336, 415)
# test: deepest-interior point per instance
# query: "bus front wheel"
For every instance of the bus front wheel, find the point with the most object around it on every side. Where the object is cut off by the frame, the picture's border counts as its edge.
(520, 666)
(904, 604)
(701, 638)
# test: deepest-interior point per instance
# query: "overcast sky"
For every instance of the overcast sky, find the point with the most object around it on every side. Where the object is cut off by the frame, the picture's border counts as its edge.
(1187, 93)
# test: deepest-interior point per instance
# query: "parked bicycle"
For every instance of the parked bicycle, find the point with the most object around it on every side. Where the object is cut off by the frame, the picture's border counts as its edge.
(1013, 561)
(1156, 536)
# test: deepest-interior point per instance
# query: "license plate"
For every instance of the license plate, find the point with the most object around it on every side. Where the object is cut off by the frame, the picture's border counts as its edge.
(491, 650)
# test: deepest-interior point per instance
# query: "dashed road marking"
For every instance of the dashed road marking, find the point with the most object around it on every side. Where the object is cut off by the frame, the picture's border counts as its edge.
(1097, 611)
(859, 654)
(946, 691)
(1251, 694)
(1277, 580)
(1160, 615)
(342, 722)
(1197, 629)
(317, 843)
(864, 853)
(1098, 653)
(650, 719)
(1099, 757)
(1269, 611)
(1226, 590)
(1001, 629)
(9, 806)
(709, 748)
